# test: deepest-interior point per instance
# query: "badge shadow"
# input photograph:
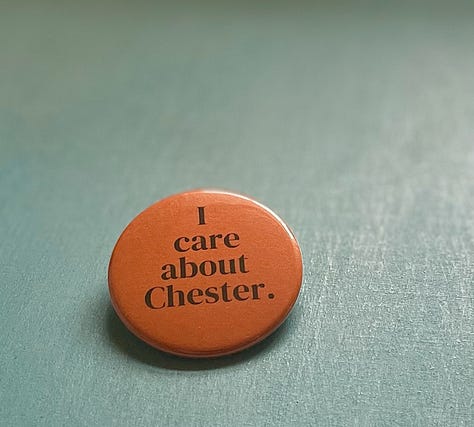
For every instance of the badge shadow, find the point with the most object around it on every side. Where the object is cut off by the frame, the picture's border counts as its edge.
(128, 344)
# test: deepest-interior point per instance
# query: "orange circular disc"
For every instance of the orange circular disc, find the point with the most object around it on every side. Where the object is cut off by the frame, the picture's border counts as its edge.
(205, 273)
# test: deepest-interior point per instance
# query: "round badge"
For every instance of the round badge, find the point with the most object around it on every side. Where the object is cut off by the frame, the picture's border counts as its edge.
(205, 273)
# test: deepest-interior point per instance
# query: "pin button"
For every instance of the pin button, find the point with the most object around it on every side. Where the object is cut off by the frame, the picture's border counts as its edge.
(205, 273)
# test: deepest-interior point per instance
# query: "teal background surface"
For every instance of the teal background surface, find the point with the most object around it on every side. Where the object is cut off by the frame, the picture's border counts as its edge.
(354, 121)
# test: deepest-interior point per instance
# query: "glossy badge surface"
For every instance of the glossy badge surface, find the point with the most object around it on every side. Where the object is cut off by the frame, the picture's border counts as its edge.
(205, 273)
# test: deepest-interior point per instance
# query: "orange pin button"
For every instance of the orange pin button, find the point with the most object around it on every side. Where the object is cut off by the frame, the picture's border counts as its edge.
(205, 273)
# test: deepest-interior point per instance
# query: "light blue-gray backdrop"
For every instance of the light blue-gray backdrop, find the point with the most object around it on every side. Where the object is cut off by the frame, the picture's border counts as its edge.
(354, 121)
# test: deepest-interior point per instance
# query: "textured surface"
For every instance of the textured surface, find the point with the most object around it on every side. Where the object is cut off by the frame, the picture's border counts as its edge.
(354, 122)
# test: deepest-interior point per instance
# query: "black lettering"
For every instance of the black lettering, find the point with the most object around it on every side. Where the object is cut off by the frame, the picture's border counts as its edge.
(224, 289)
(171, 293)
(202, 219)
(242, 264)
(191, 296)
(169, 272)
(212, 293)
(222, 268)
(202, 268)
(200, 243)
(239, 290)
(212, 239)
(228, 241)
(177, 244)
(183, 267)
(255, 290)
(148, 296)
